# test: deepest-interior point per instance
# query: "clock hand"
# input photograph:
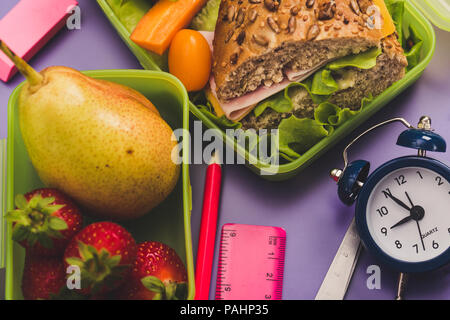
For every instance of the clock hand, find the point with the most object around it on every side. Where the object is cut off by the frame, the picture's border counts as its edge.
(417, 221)
(420, 235)
(398, 201)
(409, 199)
(404, 220)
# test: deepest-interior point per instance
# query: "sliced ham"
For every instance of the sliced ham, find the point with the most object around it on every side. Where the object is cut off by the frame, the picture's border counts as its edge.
(209, 36)
(236, 108)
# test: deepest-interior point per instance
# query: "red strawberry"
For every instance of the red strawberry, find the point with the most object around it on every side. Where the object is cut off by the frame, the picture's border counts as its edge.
(45, 221)
(104, 251)
(42, 277)
(158, 273)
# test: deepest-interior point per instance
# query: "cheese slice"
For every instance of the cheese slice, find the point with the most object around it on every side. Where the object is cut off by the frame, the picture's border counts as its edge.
(387, 24)
(214, 102)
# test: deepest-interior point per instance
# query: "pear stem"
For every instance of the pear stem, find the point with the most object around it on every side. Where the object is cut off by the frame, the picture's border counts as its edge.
(34, 78)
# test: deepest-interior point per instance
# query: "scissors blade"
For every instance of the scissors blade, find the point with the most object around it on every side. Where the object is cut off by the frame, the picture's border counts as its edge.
(337, 279)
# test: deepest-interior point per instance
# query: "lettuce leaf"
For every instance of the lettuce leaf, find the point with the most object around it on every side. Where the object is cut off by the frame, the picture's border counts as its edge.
(129, 12)
(414, 43)
(323, 83)
(279, 102)
(206, 19)
(307, 85)
(397, 9)
(365, 60)
(296, 136)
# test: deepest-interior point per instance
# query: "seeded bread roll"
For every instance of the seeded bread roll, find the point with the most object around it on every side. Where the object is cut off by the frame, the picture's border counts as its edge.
(358, 84)
(256, 41)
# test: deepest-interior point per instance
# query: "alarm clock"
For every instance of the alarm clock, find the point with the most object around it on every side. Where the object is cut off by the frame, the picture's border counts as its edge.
(402, 211)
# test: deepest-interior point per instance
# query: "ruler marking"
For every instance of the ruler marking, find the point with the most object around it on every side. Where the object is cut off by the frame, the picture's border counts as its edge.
(235, 267)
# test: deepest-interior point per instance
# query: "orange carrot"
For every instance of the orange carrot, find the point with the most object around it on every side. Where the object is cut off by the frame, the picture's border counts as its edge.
(160, 24)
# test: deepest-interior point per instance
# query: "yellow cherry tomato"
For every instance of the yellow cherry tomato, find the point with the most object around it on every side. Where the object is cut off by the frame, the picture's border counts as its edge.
(190, 59)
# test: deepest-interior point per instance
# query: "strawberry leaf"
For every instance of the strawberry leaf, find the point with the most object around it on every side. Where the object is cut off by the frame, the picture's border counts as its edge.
(17, 216)
(34, 202)
(153, 284)
(74, 262)
(44, 202)
(52, 209)
(99, 270)
(84, 251)
(19, 233)
(56, 223)
(114, 261)
(45, 241)
(181, 291)
(21, 201)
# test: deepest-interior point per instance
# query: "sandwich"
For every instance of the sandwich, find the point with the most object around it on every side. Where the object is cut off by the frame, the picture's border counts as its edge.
(307, 64)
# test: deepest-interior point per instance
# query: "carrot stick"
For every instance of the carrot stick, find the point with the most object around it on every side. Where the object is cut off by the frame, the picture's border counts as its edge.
(157, 28)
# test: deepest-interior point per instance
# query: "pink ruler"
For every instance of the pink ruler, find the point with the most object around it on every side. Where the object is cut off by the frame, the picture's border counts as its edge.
(251, 262)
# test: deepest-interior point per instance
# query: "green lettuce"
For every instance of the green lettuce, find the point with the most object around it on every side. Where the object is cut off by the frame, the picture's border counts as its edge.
(298, 135)
(365, 60)
(206, 19)
(280, 102)
(413, 47)
(396, 9)
(323, 83)
(129, 12)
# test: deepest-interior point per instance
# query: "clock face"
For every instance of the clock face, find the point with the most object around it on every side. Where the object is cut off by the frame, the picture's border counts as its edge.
(408, 214)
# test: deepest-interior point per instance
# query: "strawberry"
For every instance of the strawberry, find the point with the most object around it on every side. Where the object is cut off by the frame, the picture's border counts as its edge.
(157, 274)
(42, 277)
(104, 251)
(45, 221)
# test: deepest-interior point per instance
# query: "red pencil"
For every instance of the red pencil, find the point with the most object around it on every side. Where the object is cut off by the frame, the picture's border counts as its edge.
(208, 227)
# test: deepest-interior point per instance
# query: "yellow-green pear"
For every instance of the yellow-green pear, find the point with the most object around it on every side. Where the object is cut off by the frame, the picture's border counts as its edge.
(102, 143)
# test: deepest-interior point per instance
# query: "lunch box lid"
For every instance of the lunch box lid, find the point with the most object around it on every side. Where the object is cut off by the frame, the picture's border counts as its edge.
(437, 11)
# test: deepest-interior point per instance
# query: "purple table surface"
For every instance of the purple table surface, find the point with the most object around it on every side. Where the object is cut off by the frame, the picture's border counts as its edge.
(307, 206)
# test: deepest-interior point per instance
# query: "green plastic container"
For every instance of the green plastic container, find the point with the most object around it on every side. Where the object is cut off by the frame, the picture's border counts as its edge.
(288, 170)
(168, 223)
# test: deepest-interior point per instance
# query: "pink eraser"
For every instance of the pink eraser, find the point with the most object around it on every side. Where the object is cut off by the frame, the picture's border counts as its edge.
(28, 26)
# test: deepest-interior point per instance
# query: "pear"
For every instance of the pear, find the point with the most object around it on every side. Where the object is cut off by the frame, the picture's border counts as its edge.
(102, 143)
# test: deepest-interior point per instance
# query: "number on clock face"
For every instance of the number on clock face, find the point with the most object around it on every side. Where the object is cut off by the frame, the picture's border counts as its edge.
(408, 214)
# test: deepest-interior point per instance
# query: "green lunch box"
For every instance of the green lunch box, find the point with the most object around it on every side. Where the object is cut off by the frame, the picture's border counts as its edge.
(168, 223)
(288, 170)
